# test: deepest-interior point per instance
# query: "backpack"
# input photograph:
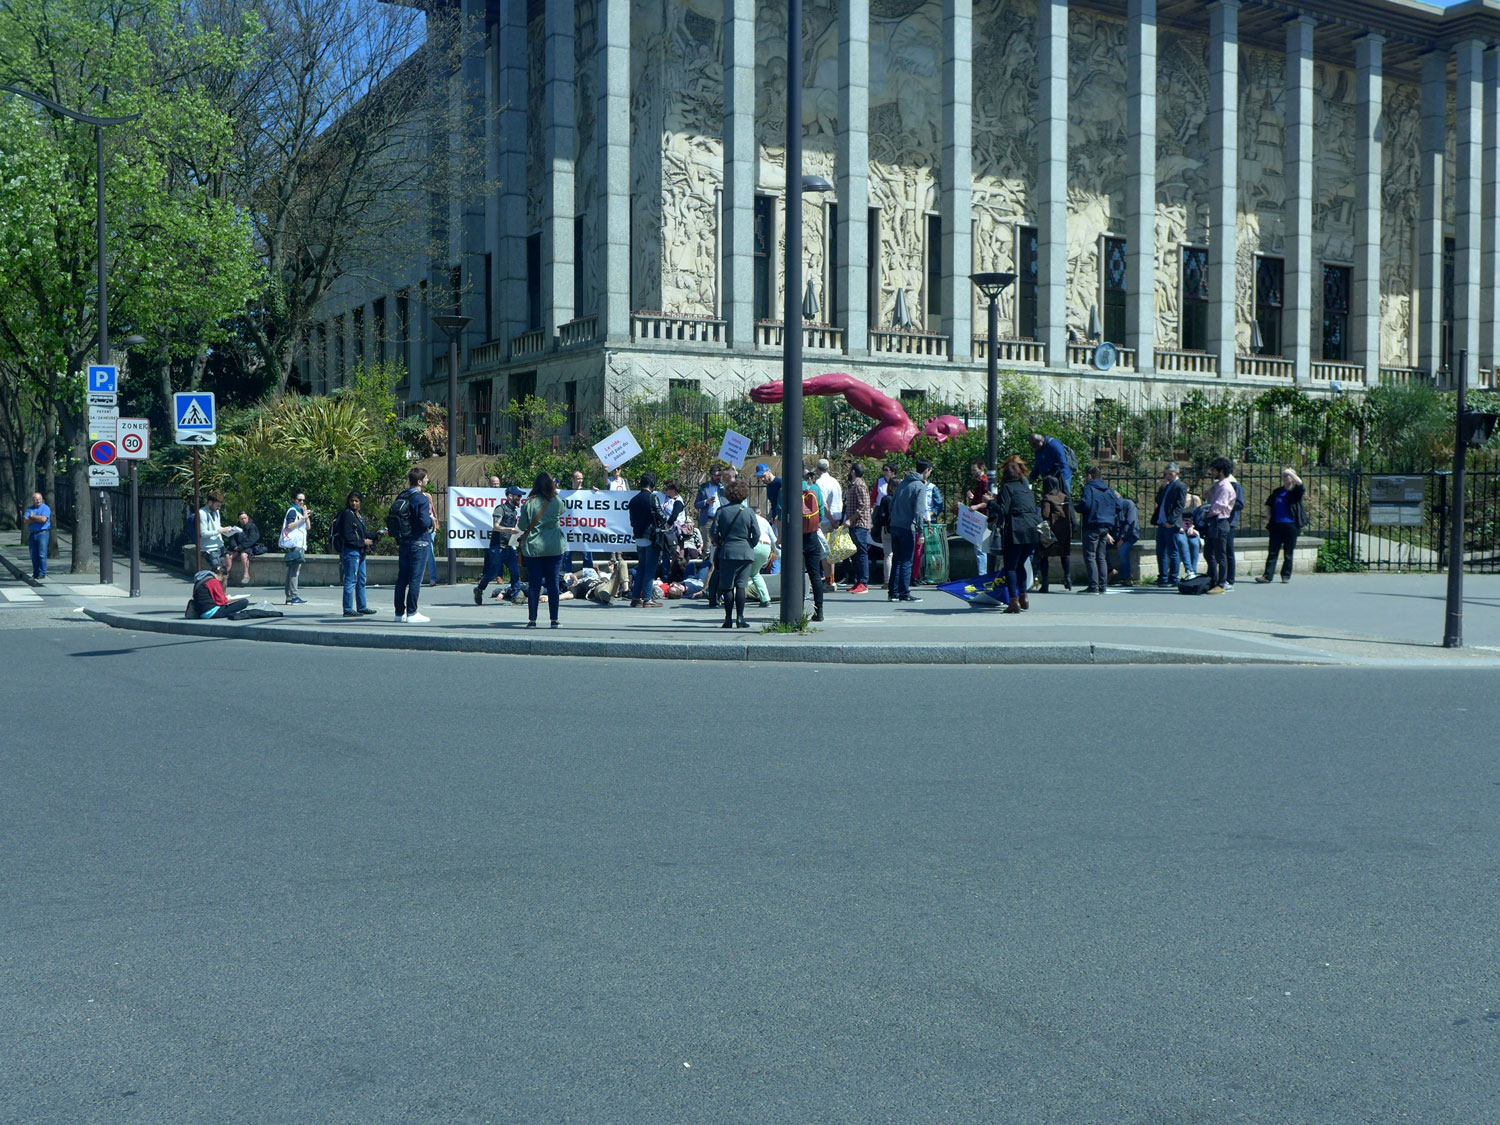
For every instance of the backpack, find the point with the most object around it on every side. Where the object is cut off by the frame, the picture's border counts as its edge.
(1198, 584)
(1070, 459)
(400, 520)
(335, 540)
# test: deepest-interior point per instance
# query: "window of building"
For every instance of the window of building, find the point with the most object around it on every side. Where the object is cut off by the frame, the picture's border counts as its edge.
(1338, 281)
(934, 267)
(1115, 264)
(763, 243)
(489, 297)
(578, 245)
(478, 427)
(456, 290)
(1028, 275)
(533, 281)
(570, 398)
(522, 386)
(323, 356)
(403, 328)
(1270, 294)
(359, 335)
(831, 264)
(1194, 327)
(338, 349)
(379, 309)
(872, 272)
(1449, 246)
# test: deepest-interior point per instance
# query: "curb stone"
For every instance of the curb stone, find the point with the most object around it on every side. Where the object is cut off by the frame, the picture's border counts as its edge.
(1073, 652)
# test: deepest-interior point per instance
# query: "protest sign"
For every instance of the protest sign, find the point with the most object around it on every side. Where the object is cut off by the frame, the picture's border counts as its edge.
(971, 526)
(618, 448)
(591, 521)
(735, 448)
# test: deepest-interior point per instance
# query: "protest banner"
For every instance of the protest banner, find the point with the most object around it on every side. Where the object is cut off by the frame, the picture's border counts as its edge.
(971, 526)
(591, 521)
(618, 448)
(735, 448)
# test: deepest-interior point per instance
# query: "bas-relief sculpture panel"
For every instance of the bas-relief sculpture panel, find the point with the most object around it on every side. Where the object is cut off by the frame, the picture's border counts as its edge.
(536, 118)
(586, 163)
(1181, 168)
(647, 139)
(1005, 154)
(1401, 118)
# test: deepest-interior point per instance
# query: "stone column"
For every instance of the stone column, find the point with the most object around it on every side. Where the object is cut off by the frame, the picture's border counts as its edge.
(1489, 269)
(1370, 95)
(471, 139)
(958, 173)
(1430, 213)
(853, 187)
(1223, 179)
(512, 129)
(1052, 180)
(1298, 175)
(1470, 58)
(739, 172)
(613, 124)
(560, 148)
(1140, 185)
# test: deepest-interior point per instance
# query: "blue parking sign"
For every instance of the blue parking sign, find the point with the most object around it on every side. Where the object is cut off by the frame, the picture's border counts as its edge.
(104, 379)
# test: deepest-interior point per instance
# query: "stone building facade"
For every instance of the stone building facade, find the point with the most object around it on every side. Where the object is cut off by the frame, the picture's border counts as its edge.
(1240, 193)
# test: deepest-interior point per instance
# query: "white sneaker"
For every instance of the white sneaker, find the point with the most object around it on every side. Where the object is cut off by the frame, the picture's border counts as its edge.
(1229, 587)
(400, 617)
(418, 618)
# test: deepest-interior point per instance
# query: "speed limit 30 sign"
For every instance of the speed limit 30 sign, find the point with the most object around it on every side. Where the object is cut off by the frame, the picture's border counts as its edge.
(133, 439)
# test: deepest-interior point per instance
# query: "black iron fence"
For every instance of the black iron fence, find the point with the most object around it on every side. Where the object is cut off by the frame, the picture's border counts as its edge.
(166, 519)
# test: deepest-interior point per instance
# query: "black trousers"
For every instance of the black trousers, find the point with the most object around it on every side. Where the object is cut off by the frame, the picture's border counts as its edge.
(1283, 539)
(1218, 569)
(812, 562)
(1229, 554)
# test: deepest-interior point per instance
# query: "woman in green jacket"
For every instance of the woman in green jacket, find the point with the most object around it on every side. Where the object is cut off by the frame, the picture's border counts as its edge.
(542, 546)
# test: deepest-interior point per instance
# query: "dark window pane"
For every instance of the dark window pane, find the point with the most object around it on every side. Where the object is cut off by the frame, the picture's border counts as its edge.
(934, 265)
(1028, 272)
(1337, 281)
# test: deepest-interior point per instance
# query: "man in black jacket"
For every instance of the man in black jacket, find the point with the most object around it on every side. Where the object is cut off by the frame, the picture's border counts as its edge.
(1166, 517)
(647, 523)
(352, 539)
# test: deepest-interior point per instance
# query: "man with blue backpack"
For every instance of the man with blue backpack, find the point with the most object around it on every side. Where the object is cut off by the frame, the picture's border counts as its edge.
(408, 522)
(1053, 459)
(1098, 509)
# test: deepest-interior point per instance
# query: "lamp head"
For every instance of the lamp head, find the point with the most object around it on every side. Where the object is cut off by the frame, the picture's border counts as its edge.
(453, 325)
(815, 184)
(992, 284)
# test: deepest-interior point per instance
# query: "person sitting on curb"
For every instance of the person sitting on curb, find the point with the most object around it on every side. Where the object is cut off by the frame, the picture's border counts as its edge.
(209, 601)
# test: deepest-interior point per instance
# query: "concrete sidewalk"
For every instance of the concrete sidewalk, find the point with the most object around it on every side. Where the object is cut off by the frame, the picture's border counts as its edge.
(1314, 619)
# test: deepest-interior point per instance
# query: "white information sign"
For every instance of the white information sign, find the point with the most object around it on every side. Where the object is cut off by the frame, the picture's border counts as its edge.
(103, 398)
(971, 526)
(618, 448)
(102, 422)
(735, 448)
(591, 521)
(133, 439)
(103, 476)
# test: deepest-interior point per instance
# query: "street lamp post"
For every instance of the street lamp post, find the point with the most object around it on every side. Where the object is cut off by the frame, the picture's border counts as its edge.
(106, 545)
(791, 340)
(992, 285)
(454, 327)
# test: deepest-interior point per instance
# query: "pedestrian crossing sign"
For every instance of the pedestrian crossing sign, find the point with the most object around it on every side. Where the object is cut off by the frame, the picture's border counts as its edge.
(193, 412)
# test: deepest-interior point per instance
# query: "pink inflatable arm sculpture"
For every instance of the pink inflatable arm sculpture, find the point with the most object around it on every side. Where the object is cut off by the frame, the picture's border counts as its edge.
(894, 430)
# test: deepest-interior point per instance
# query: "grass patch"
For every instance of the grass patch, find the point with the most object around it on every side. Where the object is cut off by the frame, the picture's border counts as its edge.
(799, 626)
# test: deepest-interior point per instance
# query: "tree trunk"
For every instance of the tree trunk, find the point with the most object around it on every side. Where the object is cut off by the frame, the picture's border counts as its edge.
(164, 373)
(76, 433)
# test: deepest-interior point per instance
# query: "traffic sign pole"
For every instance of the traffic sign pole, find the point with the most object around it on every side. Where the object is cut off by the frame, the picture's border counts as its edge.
(197, 519)
(135, 533)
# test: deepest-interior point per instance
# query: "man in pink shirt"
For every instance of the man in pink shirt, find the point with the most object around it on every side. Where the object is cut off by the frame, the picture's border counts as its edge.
(1216, 532)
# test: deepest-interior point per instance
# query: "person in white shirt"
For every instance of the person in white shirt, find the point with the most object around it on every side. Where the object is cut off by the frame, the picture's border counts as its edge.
(211, 530)
(764, 550)
(833, 513)
(617, 481)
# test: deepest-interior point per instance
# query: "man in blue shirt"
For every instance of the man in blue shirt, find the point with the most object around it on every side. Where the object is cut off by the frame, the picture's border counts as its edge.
(38, 520)
(772, 484)
(1051, 460)
(411, 547)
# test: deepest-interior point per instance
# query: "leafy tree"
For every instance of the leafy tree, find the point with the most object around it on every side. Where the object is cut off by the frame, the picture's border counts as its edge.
(179, 257)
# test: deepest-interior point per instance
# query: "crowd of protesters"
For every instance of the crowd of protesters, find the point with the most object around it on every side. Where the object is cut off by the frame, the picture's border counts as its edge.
(719, 548)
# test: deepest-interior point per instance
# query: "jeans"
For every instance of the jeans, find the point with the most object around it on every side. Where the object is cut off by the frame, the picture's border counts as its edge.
(1013, 559)
(39, 553)
(1192, 550)
(1123, 562)
(352, 563)
(1096, 555)
(1171, 553)
(904, 547)
(1284, 540)
(429, 543)
(567, 559)
(861, 537)
(498, 562)
(643, 581)
(1229, 556)
(812, 562)
(542, 570)
(410, 559)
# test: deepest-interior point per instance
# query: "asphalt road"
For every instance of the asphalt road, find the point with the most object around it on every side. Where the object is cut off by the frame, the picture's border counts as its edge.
(256, 883)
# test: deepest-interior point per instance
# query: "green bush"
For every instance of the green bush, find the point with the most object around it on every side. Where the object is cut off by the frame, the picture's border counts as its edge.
(1335, 557)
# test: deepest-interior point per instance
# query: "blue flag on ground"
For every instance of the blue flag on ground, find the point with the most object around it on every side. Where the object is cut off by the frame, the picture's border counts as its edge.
(987, 591)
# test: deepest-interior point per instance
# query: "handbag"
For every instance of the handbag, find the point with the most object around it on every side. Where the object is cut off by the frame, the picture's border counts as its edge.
(1044, 533)
(841, 545)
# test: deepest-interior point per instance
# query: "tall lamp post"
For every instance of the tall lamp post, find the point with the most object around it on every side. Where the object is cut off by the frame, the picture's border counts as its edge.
(791, 340)
(454, 326)
(106, 551)
(992, 285)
